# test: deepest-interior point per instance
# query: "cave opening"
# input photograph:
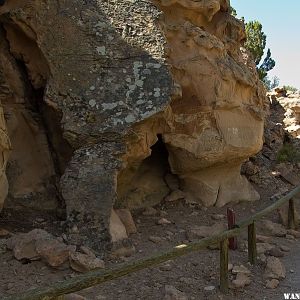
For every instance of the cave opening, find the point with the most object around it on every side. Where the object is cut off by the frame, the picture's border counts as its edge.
(149, 182)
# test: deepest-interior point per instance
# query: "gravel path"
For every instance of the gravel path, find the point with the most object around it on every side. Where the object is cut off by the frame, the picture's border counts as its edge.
(292, 264)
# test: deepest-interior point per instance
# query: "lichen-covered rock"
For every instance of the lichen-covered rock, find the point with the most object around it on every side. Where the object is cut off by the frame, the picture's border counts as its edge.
(109, 80)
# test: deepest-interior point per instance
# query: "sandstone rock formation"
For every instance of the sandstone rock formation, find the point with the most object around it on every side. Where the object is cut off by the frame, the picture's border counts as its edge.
(104, 98)
(290, 101)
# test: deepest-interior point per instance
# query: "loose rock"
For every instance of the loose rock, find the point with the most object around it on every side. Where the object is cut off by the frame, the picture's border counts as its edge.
(171, 293)
(150, 211)
(83, 263)
(127, 220)
(272, 284)
(163, 221)
(55, 253)
(241, 280)
(274, 229)
(275, 268)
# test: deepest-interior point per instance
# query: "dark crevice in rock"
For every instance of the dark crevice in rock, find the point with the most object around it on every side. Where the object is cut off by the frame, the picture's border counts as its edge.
(145, 184)
(40, 153)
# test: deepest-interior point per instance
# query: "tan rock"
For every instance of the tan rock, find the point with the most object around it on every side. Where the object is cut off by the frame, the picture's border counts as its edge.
(83, 263)
(263, 238)
(163, 221)
(276, 252)
(272, 284)
(175, 195)
(54, 252)
(155, 239)
(241, 280)
(117, 229)
(274, 229)
(4, 233)
(126, 218)
(23, 244)
(274, 268)
(263, 247)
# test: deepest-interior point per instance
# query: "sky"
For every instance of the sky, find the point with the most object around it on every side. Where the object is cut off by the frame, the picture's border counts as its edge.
(281, 24)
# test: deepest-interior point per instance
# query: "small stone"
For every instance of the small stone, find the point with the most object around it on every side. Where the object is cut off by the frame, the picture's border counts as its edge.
(274, 229)
(155, 239)
(163, 213)
(167, 266)
(171, 293)
(87, 251)
(74, 297)
(240, 270)
(263, 248)
(292, 271)
(4, 233)
(40, 220)
(150, 211)
(290, 237)
(285, 248)
(209, 288)
(275, 252)
(74, 229)
(84, 263)
(263, 238)
(262, 258)
(163, 221)
(218, 217)
(241, 280)
(272, 284)
(294, 233)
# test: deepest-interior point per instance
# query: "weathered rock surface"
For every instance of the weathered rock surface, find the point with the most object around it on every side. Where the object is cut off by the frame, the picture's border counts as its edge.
(105, 84)
(274, 268)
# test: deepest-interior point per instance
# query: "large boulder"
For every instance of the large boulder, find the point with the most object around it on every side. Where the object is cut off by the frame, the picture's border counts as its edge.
(109, 80)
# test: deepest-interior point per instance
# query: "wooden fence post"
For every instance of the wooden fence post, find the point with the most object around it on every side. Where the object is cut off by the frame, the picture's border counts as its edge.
(224, 266)
(252, 251)
(291, 215)
(231, 224)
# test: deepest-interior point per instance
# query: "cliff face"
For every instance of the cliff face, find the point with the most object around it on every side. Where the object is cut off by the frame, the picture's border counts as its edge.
(106, 99)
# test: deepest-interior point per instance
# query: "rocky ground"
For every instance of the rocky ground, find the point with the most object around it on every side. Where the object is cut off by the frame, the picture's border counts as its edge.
(193, 277)
(36, 250)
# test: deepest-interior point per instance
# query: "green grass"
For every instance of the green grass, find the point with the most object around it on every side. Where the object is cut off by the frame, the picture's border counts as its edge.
(288, 153)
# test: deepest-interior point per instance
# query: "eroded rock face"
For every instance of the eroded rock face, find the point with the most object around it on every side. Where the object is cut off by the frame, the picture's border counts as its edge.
(118, 76)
